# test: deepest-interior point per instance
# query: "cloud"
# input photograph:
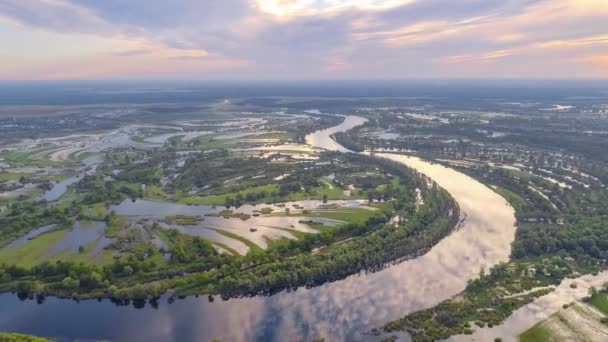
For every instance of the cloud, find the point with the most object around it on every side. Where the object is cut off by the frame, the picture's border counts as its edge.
(58, 15)
(286, 8)
(482, 57)
(135, 52)
(322, 38)
(540, 47)
(423, 32)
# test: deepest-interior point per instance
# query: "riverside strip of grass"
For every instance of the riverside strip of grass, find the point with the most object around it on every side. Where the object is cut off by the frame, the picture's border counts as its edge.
(600, 302)
(347, 215)
(13, 337)
(537, 333)
(33, 251)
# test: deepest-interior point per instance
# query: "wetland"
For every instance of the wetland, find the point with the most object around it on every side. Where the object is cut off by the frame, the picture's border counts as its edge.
(373, 219)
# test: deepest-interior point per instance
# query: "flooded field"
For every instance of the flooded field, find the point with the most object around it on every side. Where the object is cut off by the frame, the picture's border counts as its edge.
(59, 189)
(255, 227)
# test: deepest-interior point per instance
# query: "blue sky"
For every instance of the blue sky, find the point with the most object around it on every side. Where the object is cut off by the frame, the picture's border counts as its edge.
(303, 39)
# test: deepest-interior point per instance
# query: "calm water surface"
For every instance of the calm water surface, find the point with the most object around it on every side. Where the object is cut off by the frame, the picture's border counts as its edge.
(323, 138)
(341, 310)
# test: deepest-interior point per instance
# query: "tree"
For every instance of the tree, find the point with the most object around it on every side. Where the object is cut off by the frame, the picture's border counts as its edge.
(138, 292)
(128, 270)
(95, 279)
(70, 284)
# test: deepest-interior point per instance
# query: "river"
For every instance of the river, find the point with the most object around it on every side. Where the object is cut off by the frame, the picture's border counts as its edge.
(341, 310)
(323, 138)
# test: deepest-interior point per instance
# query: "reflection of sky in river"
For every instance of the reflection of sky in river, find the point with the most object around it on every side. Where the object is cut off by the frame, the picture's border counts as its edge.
(323, 138)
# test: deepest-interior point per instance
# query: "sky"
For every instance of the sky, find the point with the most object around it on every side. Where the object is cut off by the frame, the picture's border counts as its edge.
(303, 39)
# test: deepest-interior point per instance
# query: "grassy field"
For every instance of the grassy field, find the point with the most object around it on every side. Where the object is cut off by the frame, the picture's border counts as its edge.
(252, 246)
(33, 251)
(280, 136)
(98, 211)
(12, 337)
(12, 176)
(184, 220)
(156, 192)
(16, 157)
(348, 215)
(221, 199)
(600, 302)
(516, 201)
(117, 222)
(26, 158)
(210, 142)
(578, 322)
(537, 333)
(83, 155)
(327, 189)
(223, 246)
(9, 176)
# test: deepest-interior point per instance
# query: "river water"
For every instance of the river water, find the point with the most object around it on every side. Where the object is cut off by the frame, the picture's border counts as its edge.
(323, 139)
(341, 310)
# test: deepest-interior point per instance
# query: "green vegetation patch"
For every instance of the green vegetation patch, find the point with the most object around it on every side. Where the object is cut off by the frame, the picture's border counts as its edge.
(35, 250)
(84, 155)
(280, 136)
(17, 157)
(600, 302)
(488, 300)
(115, 224)
(537, 333)
(156, 192)
(183, 220)
(26, 158)
(98, 211)
(252, 246)
(14, 337)
(514, 199)
(327, 191)
(348, 215)
(227, 197)
(9, 176)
